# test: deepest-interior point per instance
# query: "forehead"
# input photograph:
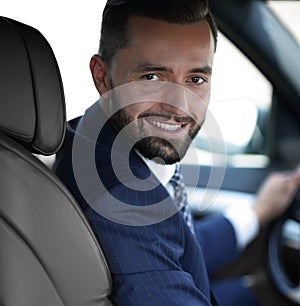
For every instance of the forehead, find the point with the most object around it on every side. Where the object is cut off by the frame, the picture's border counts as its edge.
(181, 47)
(145, 30)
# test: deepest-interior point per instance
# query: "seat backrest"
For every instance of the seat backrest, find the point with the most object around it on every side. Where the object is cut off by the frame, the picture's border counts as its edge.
(48, 253)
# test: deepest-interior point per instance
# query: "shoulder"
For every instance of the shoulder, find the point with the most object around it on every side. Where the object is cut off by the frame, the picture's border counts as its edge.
(94, 168)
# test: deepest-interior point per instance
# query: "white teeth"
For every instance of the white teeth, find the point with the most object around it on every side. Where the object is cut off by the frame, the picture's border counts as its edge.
(165, 126)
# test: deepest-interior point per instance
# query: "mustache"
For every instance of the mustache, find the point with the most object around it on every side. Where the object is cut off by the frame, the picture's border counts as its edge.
(176, 118)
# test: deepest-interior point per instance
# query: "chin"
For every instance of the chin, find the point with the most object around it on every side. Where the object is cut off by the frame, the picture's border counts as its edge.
(161, 150)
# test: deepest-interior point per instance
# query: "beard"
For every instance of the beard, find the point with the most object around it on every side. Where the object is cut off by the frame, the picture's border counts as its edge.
(154, 147)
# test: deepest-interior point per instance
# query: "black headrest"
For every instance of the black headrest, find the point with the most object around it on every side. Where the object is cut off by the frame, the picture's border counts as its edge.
(32, 106)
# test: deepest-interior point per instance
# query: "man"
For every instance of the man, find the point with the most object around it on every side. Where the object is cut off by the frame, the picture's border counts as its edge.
(153, 73)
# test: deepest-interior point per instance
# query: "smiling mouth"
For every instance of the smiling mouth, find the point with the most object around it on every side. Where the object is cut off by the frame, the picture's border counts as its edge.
(165, 126)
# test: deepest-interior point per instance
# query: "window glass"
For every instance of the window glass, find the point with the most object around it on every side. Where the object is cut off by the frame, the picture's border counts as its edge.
(288, 12)
(240, 98)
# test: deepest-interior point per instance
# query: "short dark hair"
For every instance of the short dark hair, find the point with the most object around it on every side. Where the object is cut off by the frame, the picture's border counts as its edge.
(117, 12)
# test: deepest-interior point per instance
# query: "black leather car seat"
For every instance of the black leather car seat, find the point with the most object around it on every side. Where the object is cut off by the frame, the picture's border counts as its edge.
(48, 253)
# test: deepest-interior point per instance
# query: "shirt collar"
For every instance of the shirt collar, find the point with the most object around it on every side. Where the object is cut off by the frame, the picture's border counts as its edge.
(162, 172)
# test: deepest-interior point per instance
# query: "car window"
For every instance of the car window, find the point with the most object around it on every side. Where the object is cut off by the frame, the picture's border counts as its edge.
(240, 102)
(288, 13)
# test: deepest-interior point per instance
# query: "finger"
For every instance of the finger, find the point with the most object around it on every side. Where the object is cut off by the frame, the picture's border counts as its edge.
(296, 176)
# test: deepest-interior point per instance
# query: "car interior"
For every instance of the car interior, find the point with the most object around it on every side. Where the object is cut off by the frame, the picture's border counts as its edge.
(272, 260)
(49, 254)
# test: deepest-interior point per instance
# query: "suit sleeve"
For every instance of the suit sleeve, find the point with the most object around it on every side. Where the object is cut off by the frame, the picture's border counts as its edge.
(154, 264)
(217, 237)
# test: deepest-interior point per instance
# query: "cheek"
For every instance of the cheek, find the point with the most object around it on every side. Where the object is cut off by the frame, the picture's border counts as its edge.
(199, 106)
(136, 109)
(200, 113)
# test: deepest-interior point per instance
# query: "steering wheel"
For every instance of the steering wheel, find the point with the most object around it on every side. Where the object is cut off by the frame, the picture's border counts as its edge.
(284, 253)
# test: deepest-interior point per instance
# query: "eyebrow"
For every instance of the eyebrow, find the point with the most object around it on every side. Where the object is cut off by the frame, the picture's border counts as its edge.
(147, 67)
(205, 70)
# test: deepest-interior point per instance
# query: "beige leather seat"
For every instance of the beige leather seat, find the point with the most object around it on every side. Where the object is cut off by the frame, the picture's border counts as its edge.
(48, 253)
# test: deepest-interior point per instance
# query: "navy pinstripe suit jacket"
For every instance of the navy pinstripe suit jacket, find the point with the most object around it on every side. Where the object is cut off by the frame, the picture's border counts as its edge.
(152, 263)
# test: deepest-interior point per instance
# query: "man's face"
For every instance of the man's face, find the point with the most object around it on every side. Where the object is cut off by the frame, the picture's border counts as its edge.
(162, 53)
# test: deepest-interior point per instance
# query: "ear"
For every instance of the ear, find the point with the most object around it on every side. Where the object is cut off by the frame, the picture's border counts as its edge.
(100, 74)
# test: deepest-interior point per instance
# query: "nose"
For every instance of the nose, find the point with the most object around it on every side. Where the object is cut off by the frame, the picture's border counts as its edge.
(176, 98)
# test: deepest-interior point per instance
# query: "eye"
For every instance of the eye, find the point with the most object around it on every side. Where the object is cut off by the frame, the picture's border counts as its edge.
(150, 77)
(197, 80)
